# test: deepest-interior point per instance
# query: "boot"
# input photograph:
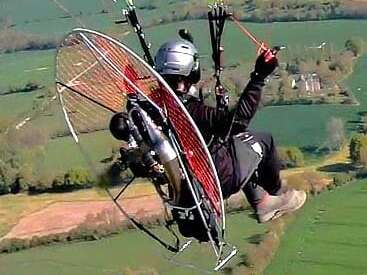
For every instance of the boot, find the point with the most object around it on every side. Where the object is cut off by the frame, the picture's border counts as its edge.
(272, 207)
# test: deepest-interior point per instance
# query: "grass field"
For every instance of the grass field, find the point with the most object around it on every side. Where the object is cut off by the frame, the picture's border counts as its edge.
(23, 103)
(19, 68)
(56, 17)
(330, 237)
(63, 153)
(51, 18)
(13, 208)
(324, 224)
(128, 250)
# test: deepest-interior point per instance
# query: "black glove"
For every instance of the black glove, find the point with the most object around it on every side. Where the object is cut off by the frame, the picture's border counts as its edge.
(265, 64)
(222, 98)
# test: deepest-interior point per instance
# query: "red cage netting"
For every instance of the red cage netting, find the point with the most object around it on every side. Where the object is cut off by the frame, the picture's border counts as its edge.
(94, 75)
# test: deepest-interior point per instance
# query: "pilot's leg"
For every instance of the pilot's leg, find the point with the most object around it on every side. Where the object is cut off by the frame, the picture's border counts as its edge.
(269, 167)
(265, 192)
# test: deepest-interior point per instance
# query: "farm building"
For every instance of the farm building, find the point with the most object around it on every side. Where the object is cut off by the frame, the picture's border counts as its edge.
(309, 82)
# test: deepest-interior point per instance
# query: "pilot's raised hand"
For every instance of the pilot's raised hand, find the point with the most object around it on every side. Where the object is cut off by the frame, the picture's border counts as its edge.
(266, 63)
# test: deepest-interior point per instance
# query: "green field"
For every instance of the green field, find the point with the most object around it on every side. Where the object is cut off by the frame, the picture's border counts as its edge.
(49, 19)
(130, 249)
(63, 153)
(19, 68)
(23, 103)
(56, 17)
(330, 237)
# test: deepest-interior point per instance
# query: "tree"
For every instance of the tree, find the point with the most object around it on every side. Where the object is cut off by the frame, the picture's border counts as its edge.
(353, 46)
(291, 157)
(336, 133)
(363, 127)
(9, 167)
(78, 178)
(358, 149)
(4, 178)
(363, 155)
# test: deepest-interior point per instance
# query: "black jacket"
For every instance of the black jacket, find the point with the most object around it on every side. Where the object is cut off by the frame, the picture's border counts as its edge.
(216, 123)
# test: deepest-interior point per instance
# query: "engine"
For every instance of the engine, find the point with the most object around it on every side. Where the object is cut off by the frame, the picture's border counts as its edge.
(149, 153)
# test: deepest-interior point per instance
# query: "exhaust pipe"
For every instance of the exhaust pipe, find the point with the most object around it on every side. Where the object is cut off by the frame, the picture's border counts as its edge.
(156, 140)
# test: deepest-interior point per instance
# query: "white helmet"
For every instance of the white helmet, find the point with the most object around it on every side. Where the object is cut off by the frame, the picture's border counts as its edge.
(178, 57)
